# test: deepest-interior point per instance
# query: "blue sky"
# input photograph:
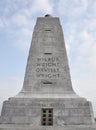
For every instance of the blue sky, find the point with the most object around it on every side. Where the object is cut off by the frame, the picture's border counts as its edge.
(78, 19)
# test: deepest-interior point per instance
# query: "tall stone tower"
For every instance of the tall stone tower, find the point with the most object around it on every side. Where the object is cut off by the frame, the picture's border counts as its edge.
(47, 97)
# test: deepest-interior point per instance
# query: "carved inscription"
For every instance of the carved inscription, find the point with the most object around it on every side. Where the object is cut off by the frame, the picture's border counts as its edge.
(53, 105)
(47, 67)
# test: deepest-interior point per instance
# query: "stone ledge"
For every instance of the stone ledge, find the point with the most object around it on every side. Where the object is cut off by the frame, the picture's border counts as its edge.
(29, 127)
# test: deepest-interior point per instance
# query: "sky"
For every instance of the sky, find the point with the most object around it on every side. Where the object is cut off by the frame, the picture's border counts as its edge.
(78, 20)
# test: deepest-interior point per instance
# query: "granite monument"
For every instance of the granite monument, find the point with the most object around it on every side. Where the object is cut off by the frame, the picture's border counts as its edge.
(47, 97)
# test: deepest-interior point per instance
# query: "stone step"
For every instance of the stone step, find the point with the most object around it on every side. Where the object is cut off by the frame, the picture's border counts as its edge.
(29, 127)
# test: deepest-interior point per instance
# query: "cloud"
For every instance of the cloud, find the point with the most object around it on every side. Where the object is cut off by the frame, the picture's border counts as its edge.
(80, 37)
(86, 42)
(19, 20)
(75, 9)
(86, 88)
(26, 32)
(9, 88)
(2, 23)
(92, 57)
(42, 5)
(83, 57)
(19, 17)
(23, 38)
(92, 9)
(22, 45)
(28, 8)
(88, 91)
(87, 49)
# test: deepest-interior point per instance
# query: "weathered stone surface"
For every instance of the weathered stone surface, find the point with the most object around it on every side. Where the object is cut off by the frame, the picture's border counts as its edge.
(66, 127)
(47, 67)
(47, 84)
(28, 111)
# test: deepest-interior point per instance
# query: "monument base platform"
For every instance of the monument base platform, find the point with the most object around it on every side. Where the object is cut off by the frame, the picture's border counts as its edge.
(64, 111)
(29, 127)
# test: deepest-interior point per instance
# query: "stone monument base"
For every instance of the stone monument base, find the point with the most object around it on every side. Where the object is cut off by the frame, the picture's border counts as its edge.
(65, 111)
(29, 127)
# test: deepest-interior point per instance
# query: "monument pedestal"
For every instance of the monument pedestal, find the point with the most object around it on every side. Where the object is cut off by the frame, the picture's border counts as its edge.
(68, 110)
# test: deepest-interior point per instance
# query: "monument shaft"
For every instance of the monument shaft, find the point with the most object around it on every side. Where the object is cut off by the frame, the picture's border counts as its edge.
(47, 97)
(47, 68)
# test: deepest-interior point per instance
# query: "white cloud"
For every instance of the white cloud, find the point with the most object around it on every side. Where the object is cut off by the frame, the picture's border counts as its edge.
(19, 20)
(81, 40)
(72, 7)
(22, 44)
(9, 88)
(86, 40)
(92, 57)
(42, 5)
(93, 9)
(87, 89)
(36, 6)
(26, 32)
(2, 23)
(92, 24)
(70, 38)
(86, 51)
(23, 39)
